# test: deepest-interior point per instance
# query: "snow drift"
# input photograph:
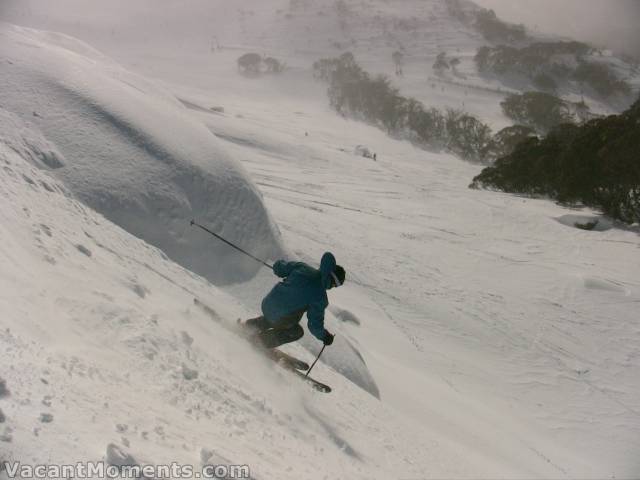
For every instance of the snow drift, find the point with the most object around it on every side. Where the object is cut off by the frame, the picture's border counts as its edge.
(128, 149)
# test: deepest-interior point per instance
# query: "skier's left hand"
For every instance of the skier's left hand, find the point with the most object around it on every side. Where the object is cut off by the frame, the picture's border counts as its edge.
(328, 338)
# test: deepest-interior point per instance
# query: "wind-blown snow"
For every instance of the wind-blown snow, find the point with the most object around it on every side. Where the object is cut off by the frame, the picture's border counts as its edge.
(132, 153)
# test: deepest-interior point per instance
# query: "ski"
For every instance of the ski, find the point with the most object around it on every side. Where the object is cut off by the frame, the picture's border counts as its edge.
(321, 387)
(284, 360)
(287, 360)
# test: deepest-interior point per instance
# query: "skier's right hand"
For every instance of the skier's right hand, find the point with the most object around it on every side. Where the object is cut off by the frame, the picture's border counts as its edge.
(328, 338)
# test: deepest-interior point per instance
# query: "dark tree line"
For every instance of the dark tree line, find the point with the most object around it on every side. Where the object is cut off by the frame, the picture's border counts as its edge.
(596, 164)
(540, 63)
(353, 92)
(486, 22)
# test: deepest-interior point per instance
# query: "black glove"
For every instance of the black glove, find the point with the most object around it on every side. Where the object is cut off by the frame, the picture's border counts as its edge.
(328, 338)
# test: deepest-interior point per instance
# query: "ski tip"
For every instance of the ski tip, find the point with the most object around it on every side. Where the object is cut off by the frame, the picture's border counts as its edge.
(322, 388)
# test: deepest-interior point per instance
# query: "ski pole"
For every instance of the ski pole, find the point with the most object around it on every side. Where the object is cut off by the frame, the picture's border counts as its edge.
(314, 362)
(193, 222)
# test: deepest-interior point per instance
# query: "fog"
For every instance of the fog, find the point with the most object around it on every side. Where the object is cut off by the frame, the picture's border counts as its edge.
(166, 23)
(610, 23)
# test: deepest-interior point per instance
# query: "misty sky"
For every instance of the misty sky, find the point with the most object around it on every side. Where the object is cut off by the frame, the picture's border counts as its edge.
(613, 23)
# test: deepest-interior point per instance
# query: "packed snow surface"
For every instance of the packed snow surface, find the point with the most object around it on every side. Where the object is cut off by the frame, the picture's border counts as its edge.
(480, 335)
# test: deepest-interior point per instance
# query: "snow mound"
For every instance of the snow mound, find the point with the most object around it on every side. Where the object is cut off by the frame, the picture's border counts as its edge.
(128, 149)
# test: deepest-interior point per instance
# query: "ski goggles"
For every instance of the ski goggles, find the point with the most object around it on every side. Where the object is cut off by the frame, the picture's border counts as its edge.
(335, 279)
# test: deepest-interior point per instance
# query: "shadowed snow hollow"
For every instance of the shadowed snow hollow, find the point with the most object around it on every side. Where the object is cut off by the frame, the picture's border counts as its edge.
(131, 152)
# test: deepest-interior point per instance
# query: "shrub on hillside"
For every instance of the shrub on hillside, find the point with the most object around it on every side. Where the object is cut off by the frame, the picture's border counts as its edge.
(596, 164)
(538, 110)
(601, 79)
(398, 61)
(494, 29)
(252, 63)
(249, 63)
(467, 136)
(426, 125)
(273, 65)
(455, 9)
(539, 57)
(547, 63)
(506, 140)
(486, 22)
(441, 64)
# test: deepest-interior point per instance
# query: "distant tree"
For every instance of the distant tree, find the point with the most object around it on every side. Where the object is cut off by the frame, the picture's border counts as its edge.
(596, 164)
(391, 109)
(273, 65)
(428, 124)
(338, 69)
(601, 78)
(492, 28)
(398, 60)
(482, 58)
(441, 64)
(453, 63)
(506, 140)
(538, 110)
(466, 135)
(250, 63)
(529, 168)
(455, 9)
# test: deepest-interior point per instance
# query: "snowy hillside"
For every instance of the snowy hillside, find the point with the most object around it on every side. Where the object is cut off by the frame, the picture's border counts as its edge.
(102, 353)
(129, 150)
(301, 31)
(480, 335)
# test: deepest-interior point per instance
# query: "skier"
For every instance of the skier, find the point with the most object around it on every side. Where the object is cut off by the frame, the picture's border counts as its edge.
(302, 289)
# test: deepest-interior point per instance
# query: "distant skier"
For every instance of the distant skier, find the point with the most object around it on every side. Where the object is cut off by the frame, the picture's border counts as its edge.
(302, 290)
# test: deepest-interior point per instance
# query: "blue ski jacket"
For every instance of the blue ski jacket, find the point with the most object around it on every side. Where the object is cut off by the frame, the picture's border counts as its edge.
(302, 289)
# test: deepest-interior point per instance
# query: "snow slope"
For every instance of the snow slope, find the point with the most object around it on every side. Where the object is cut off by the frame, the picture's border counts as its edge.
(503, 341)
(128, 149)
(103, 352)
(473, 306)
